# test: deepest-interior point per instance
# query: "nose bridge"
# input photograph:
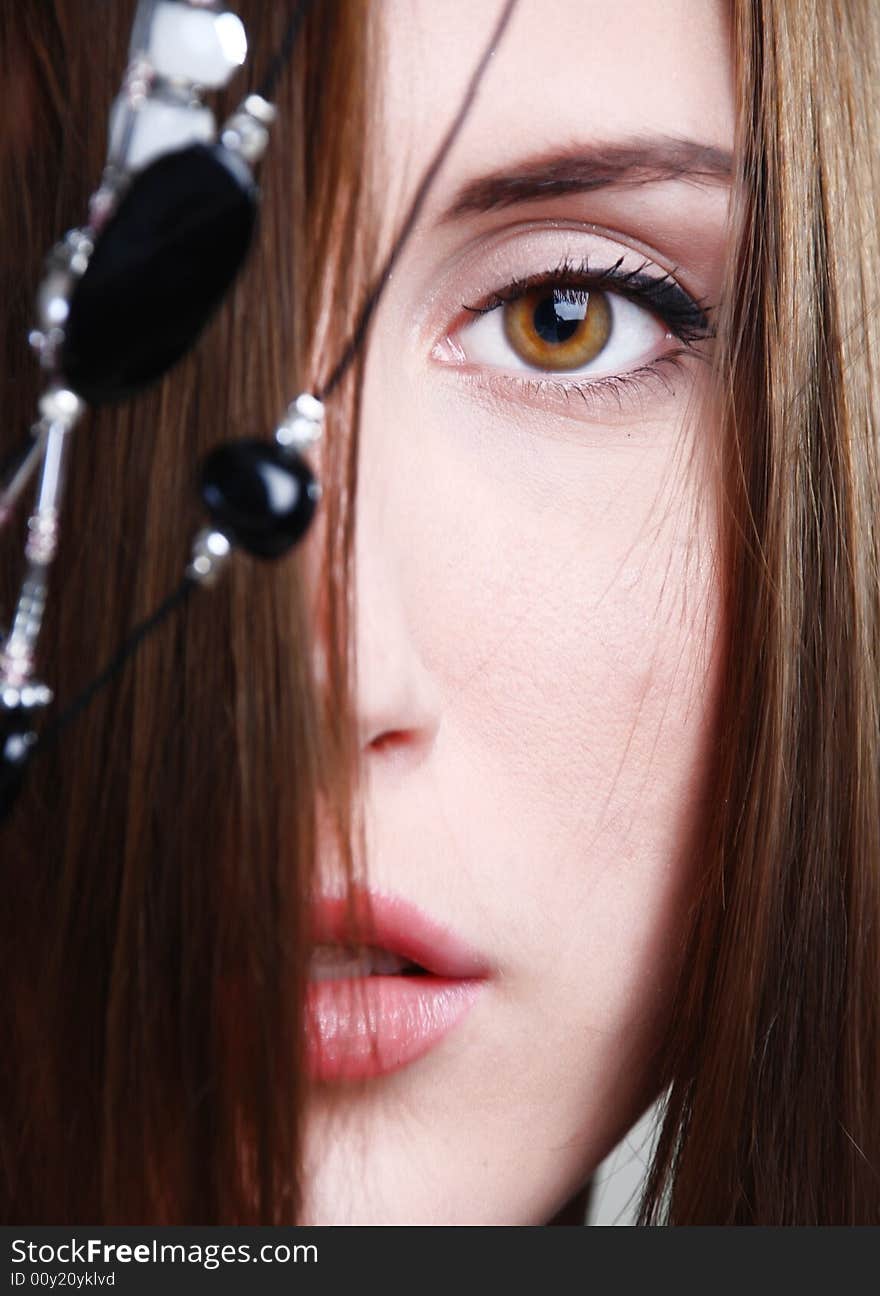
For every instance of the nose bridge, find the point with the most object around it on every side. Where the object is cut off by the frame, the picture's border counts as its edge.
(395, 695)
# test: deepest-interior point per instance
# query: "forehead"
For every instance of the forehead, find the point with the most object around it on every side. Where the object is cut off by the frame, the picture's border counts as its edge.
(567, 72)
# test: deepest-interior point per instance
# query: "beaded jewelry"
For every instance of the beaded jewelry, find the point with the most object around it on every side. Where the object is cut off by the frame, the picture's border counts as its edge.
(172, 202)
(125, 298)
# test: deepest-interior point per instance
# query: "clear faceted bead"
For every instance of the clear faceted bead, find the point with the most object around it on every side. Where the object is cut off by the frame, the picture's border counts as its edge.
(159, 125)
(193, 43)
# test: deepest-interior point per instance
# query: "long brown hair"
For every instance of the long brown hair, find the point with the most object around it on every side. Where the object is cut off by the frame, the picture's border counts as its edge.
(151, 930)
(772, 1112)
(151, 943)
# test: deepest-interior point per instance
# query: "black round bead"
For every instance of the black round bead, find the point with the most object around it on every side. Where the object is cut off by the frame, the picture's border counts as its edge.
(261, 495)
(160, 268)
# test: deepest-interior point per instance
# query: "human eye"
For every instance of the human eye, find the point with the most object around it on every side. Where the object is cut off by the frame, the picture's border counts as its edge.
(598, 332)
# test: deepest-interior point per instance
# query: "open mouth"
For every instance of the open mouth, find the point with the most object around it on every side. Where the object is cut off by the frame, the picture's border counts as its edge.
(383, 993)
(382, 935)
(339, 962)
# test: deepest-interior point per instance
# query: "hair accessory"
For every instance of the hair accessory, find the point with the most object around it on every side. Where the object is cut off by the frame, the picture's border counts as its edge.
(124, 298)
(261, 496)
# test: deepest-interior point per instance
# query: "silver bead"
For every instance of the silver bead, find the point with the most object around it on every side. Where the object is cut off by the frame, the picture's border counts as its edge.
(247, 138)
(75, 250)
(16, 746)
(103, 201)
(53, 300)
(10, 697)
(308, 407)
(61, 405)
(29, 697)
(260, 109)
(302, 425)
(16, 663)
(139, 81)
(210, 554)
(247, 130)
(42, 541)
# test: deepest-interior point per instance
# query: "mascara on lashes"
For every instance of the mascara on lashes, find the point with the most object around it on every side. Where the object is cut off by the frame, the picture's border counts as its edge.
(686, 318)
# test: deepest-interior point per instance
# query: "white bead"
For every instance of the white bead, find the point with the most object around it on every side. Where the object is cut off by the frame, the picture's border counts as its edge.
(217, 544)
(195, 45)
(298, 433)
(303, 424)
(17, 745)
(60, 405)
(260, 109)
(308, 406)
(246, 137)
(158, 126)
(35, 695)
(211, 552)
(53, 300)
(76, 249)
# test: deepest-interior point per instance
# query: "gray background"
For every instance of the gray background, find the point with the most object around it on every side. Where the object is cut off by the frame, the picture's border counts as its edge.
(620, 1176)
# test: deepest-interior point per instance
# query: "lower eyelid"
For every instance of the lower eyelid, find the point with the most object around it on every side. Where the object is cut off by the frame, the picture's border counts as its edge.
(646, 391)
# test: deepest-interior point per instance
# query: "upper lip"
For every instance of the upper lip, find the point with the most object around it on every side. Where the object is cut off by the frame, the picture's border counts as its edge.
(397, 926)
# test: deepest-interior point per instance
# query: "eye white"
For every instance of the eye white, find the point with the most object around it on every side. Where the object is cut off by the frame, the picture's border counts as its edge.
(635, 333)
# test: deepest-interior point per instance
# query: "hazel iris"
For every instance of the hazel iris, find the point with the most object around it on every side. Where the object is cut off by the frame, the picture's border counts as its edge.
(558, 328)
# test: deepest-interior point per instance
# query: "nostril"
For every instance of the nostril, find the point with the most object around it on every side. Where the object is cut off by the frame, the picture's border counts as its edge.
(398, 748)
(390, 742)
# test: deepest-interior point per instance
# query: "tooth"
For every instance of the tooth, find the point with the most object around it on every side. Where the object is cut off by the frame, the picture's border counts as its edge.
(335, 962)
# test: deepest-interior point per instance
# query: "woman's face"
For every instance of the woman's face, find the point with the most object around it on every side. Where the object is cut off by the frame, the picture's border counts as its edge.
(538, 598)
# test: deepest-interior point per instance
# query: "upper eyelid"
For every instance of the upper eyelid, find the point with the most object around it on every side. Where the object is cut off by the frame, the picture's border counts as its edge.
(645, 289)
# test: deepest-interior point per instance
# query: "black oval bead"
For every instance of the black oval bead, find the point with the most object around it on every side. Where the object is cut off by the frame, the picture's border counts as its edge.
(261, 495)
(160, 268)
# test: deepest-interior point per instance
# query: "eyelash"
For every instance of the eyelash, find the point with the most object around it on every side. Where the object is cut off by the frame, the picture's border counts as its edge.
(686, 318)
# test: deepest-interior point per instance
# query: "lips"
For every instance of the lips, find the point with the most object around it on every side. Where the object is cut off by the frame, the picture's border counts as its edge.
(390, 923)
(362, 1025)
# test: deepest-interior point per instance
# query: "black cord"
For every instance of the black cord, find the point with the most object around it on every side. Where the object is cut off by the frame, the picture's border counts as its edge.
(368, 310)
(130, 645)
(127, 649)
(283, 55)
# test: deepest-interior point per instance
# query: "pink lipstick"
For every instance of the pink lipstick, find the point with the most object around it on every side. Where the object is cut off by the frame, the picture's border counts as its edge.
(385, 989)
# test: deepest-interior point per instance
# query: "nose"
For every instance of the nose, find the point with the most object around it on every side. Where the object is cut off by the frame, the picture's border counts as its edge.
(398, 705)
(398, 701)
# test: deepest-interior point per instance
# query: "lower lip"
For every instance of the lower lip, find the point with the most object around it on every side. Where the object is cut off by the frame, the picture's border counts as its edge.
(359, 1027)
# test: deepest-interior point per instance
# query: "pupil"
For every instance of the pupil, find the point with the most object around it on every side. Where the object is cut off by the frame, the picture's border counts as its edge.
(557, 320)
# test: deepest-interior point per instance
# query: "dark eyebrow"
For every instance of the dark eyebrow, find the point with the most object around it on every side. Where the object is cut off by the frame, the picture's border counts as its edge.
(580, 170)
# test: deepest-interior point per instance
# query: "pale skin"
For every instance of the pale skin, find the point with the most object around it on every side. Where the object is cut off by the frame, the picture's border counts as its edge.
(539, 606)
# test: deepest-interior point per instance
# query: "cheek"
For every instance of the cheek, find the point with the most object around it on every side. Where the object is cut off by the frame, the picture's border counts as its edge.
(563, 600)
